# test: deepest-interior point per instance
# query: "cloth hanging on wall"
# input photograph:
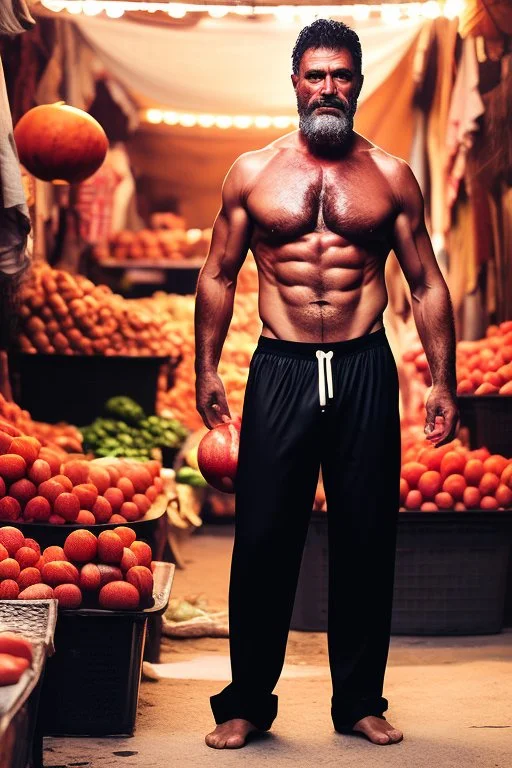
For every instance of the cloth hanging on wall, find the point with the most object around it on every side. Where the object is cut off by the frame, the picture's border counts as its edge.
(227, 66)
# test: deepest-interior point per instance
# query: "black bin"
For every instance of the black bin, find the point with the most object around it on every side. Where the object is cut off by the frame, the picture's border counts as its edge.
(489, 421)
(74, 388)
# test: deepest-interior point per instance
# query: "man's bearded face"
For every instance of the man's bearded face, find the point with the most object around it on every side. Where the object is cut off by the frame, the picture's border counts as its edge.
(323, 129)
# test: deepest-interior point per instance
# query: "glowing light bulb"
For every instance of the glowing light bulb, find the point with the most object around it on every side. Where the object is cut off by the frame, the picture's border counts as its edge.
(242, 121)
(361, 12)
(171, 118)
(154, 116)
(281, 122)
(114, 10)
(390, 13)
(413, 10)
(187, 121)
(176, 10)
(453, 8)
(74, 8)
(223, 121)
(206, 121)
(431, 9)
(218, 11)
(91, 8)
(262, 121)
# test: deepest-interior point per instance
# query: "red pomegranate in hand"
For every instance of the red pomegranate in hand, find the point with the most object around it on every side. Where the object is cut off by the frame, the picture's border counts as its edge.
(217, 455)
(57, 142)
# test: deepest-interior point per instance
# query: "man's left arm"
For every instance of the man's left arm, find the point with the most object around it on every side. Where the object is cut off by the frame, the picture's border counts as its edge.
(431, 304)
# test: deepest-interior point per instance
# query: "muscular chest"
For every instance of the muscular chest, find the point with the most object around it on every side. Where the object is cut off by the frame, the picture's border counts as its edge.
(290, 201)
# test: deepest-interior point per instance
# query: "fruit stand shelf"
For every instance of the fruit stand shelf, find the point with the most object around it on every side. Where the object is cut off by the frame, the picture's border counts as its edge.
(163, 264)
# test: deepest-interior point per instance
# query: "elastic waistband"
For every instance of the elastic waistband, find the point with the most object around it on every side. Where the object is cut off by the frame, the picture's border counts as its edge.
(308, 349)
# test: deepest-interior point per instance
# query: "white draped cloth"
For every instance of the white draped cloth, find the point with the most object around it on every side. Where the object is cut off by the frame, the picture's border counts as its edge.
(231, 65)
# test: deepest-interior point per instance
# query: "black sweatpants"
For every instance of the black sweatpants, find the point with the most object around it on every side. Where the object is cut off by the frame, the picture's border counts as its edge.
(304, 409)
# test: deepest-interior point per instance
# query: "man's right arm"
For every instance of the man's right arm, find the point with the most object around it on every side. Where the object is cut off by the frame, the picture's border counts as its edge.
(215, 296)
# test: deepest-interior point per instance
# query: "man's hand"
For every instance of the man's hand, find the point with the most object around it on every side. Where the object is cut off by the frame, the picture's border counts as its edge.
(442, 420)
(211, 401)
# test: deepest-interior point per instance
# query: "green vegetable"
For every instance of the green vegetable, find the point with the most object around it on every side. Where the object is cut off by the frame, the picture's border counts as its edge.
(189, 476)
(124, 408)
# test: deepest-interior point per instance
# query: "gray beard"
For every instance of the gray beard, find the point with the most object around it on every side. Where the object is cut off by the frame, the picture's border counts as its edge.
(326, 131)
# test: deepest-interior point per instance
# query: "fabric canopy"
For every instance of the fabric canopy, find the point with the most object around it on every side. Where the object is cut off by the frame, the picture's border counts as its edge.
(228, 66)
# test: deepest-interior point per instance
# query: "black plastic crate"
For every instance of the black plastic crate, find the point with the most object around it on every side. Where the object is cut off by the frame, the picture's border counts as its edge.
(450, 574)
(92, 683)
(20, 741)
(489, 421)
(74, 388)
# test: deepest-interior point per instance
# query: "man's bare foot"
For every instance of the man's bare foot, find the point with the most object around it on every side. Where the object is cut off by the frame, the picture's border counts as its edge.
(378, 731)
(230, 735)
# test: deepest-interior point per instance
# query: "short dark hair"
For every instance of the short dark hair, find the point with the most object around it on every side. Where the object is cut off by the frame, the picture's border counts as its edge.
(326, 33)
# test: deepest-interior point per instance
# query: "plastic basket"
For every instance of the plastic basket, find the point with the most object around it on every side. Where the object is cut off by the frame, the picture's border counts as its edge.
(74, 388)
(489, 421)
(92, 683)
(450, 574)
(20, 742)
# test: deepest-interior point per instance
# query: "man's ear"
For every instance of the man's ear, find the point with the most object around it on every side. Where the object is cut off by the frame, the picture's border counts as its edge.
(295, 80)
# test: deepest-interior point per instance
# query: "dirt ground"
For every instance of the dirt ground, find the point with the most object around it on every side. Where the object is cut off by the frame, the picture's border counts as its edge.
(452, 697)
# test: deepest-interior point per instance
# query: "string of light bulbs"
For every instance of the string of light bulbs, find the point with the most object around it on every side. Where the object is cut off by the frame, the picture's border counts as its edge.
(190, 120)
(389, 12)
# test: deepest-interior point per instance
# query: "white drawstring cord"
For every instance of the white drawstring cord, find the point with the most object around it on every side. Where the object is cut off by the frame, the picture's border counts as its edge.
(327, 356)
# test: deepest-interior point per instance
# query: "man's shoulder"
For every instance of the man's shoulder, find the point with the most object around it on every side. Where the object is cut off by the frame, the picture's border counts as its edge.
(389, 165)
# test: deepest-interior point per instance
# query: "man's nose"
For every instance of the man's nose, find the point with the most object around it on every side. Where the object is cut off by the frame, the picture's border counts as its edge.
(328, 87)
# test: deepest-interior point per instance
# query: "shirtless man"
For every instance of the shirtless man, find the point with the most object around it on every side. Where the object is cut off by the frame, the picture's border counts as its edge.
(320, 208)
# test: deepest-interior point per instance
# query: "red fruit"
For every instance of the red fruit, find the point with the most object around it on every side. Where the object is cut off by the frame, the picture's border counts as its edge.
(429, 484)
(11, 668)
(127, 535)
(6, 426)
(480, 453)
(28, 577)
(76, 471)
(126, 486)
(473, 472)
(158, 484)
(64, 481)
(154, 467)
(152, 493)
(90, 577)
(59, 572)
(506, 475)
(130, 511)
(67, 506)
(506, 389)
(142, 580)
(455, 485)
(113, 473)
(68, 595)
(12, 467)
(142, 552)
(9, 569)
(102, 510)
(87, 493)
(486, 389)
(452, 463)
(465, 387)
(444, 500)
(10, 508)
(27, 447)
(9, 590)
(36, 592)
(429, 506)
(129, 560)
(119, 596)
(140, 477)
(38, 509)
(217, 456)
(115, 498)
(119, 519)
(39, 472)
(3, 553)
(5, 442)
(503, 496)
(142, 502)
(26, 557)
(489, 484)
(32, 543)
(110, 547)
(86, 518)
(2, 487)
(23, 490)
(459, 506)
(54, 554)
(109, 573)
(12, 539)
(488, 502)
(496, 464)
(51, 489)
(99, 477)
(56, 520)
(471, 498)
(81, 546)
(51, 458)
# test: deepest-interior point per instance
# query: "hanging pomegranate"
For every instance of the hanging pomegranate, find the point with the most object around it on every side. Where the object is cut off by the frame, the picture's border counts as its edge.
(57, 142)
(217, 455)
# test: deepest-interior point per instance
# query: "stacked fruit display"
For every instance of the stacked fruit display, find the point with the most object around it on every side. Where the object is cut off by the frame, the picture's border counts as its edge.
(67, 314)
(15, 657)
(132, 434)
(36, 485)
(453, 477)
(60, 437)
(484, 367)
(155, 245)
(113, 570)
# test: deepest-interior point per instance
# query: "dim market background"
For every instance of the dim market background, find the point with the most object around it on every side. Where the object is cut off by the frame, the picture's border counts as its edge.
(108, 529)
